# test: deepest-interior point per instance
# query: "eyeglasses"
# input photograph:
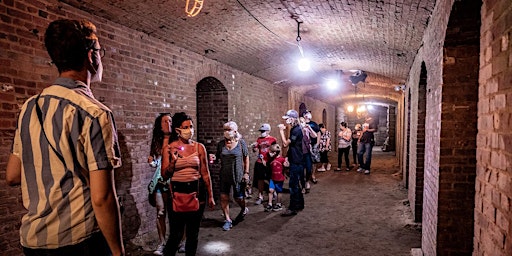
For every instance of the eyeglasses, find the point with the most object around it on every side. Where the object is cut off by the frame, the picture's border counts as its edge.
(102, 51)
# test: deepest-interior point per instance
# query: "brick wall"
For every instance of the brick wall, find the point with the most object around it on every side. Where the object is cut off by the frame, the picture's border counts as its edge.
(493, 214)
(432, 55)
(451, 63)
(417, 143)
(143, 76)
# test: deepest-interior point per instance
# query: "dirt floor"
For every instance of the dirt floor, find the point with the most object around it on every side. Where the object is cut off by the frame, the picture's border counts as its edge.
(346, 213)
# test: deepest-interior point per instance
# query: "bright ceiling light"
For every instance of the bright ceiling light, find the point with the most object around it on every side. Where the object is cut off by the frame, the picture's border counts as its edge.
(304, 65)
(332, 84)
(350, 108)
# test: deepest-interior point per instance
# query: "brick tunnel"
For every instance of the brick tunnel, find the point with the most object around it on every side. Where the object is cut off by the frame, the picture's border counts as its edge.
(433, 75)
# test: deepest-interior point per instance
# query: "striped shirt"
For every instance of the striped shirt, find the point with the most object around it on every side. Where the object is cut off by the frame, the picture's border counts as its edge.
(57, 195)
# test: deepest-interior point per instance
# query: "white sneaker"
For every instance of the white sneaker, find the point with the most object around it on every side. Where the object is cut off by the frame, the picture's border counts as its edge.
(320, 170)
(159, 250)
(181, 248)
(328, 167)
(366, 171)
(360, 169)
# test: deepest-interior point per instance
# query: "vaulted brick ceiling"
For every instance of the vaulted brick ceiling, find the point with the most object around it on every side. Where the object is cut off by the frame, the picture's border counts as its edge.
(258, 37)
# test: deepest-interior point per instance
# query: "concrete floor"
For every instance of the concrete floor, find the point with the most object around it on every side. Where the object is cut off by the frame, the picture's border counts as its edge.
(347, 213)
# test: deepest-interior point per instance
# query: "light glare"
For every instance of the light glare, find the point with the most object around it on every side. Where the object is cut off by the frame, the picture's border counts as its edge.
(304, 64)
(332, 84)
(217, 247)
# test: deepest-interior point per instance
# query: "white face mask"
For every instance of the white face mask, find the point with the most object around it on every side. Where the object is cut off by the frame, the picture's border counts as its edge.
(186, 134)
(97, 72)
(229, 134)
(289, 121)
(264, 134)
(272, 154)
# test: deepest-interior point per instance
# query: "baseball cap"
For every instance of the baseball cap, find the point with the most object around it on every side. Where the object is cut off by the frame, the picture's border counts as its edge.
(264, 127)
(291, 114)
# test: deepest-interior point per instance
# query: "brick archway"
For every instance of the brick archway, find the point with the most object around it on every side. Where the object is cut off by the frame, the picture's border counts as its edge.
(212, 113)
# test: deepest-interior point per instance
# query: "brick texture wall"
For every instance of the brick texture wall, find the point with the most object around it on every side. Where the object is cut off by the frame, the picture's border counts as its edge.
(451, 65)
(417, 145)
(143, 76)
(493, 213)
(432, 54)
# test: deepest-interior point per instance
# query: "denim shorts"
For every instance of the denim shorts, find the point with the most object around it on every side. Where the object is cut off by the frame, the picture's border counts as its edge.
(276, 185)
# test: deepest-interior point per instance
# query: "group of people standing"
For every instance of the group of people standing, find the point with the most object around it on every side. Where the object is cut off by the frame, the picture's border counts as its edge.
(361, 140)
(66, 148)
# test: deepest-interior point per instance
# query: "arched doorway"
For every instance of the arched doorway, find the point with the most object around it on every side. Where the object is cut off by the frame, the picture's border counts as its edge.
(212, 113)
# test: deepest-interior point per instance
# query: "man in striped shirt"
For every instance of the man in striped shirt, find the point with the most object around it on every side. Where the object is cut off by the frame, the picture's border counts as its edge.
(64, 152)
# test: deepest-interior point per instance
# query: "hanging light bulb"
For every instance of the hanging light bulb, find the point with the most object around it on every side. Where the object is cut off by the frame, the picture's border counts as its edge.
(304, 64)
(332, 84)
(350, 108)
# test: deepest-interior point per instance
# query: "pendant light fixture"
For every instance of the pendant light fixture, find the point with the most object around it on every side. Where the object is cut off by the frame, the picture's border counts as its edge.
(304, 64)
(194, 9)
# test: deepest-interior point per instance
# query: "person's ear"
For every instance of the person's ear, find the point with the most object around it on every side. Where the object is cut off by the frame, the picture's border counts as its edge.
(90, 61)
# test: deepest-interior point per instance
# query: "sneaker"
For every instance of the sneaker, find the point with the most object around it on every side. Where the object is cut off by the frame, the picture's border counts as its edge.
(258, 201)
(227, 225)
(366, 171)
(241, 216)
(328, 167)
(159, 250)
(360, 169)
(320, 170)
(268, 208)
(277, 207)
(348, 169)
(337, 169)
(181, 248)
(289, 213)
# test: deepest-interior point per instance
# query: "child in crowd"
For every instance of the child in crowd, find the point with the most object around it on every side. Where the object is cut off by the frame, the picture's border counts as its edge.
(262, 146)
(277, 164)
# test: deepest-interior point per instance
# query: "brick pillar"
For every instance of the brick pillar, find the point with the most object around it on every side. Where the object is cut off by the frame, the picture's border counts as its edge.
(420, 146)
(391, 127)
(457, 160)
(493, 213)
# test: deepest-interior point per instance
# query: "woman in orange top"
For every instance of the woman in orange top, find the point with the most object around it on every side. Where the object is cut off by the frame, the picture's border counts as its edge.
(184, 162)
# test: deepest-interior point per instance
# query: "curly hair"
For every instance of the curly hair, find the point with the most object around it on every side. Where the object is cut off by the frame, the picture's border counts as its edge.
(158, 136)
(68, 41)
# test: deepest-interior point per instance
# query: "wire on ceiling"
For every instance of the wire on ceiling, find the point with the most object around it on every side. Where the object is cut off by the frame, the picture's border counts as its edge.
(256, 19)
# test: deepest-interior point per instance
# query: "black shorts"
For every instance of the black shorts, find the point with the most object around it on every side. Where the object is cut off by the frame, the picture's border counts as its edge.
(260, 172)
(323, 157)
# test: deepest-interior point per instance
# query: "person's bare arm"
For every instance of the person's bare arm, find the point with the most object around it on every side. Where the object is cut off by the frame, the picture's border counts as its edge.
(205, 174)
(168, 159)
(286, 141)
(312, 132)
(106, 208)
(246, 164)
(13, 172)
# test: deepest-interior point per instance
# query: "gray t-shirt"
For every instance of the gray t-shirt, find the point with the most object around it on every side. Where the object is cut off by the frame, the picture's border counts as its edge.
(232, 165)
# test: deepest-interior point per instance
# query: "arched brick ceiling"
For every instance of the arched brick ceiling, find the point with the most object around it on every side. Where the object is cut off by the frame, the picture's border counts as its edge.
(259, 37)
